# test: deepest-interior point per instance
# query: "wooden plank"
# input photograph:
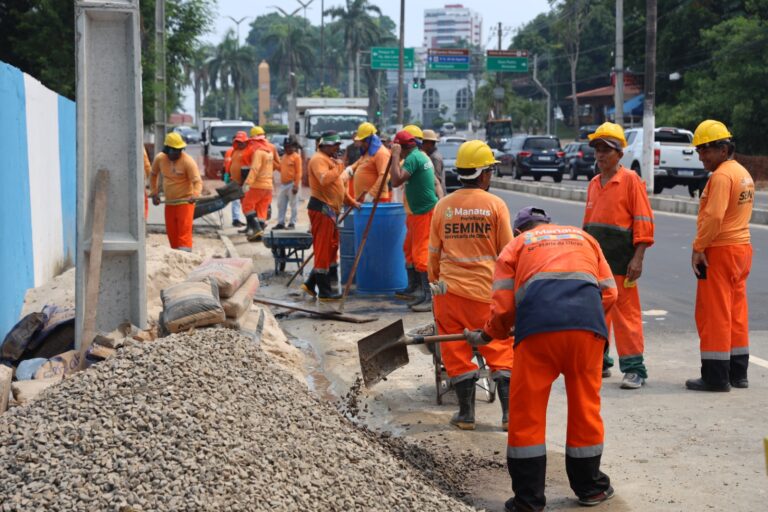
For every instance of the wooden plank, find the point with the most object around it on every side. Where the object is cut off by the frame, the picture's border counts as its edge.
(6, 376)
(328, 315)
(94, 263)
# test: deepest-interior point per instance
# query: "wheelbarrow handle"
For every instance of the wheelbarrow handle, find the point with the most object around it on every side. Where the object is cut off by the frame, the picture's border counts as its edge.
(421, 340)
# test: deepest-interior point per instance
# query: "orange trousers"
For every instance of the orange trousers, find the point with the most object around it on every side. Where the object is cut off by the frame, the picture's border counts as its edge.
(416, 246)
(178, 225)
(325, 240)
(626, 320)
(721, 303)
(453, 314)
(257, 200)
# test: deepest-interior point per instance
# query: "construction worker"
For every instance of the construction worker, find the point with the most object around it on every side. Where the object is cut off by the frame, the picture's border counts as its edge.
(619, 216)
(233, 163)
(147, 172)
(429, 146)
(419, 179)
(328, 192)
(721, 259)
(544, 267)
(370, 168)
(181, 186)
(469, 230)
(290, 184)
(258, 185)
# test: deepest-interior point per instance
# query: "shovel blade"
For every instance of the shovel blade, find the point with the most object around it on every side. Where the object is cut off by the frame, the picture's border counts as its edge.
(382, 352)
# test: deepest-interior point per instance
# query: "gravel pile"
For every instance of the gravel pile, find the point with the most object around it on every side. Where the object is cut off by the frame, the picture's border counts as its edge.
(201, 421)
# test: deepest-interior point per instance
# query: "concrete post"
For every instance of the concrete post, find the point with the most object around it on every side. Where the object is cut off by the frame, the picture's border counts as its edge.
(109, 136)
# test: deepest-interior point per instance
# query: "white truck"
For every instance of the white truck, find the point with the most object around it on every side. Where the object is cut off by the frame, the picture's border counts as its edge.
(317, 115)
(675, 159)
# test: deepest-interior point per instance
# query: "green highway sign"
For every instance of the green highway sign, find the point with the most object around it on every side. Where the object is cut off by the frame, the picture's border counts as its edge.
(388, 58)
(448, 59)
(506, 61)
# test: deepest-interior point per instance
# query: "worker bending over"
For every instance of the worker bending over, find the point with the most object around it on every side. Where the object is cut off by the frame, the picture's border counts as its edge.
(233, 163)
(619, 216)
(328, 193)
(721, 259)
(290, 183)
(469, 230)
(181, 186)
(370, 168)
(258, 184)
(543, 268)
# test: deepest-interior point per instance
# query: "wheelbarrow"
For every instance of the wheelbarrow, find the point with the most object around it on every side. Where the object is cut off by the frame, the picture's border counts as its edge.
(287, 247)
(225, 195)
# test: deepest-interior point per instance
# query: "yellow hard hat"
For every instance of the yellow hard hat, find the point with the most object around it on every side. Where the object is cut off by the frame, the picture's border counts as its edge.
(710, 131)
(610, 133)
(415, 131)
(365, 130)
(430, 135)
(256, 131)
(175, 141)
(473, 154)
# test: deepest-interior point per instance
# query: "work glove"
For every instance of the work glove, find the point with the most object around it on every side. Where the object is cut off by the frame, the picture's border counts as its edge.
(156, 200)
(438, 288)
(368, 198)
(349, 171)
(226, 177)
(477, 337)
(246, 188)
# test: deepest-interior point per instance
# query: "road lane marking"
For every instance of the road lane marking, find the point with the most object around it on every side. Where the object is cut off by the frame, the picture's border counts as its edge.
(758, 361)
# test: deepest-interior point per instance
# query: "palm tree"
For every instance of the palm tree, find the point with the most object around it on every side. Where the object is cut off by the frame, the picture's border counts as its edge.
(219, 68)
(360, 31)
(196, 75)
(293, 51)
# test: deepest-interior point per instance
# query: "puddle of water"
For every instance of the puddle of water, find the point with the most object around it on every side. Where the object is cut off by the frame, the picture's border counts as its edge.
(316, 379)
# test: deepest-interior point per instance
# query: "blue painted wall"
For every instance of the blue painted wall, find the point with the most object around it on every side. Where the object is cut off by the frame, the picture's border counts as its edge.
(68, 165)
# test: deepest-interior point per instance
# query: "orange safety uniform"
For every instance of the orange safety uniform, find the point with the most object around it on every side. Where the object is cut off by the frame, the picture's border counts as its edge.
(369, 173)
(259, 196)
(233, 164)
(538, 273)
(290, 169)
(181, 184)
(327, 195)
(722, 234)
(619, 216)
(147, 172)
(469, 230)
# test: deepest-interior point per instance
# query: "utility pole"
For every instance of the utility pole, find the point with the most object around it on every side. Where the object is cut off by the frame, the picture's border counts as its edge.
(543, 90)
(498, 77)
(649, 119)
(357, 74)
(322, 43)
(401, 65)
(619, 67)
(160, 85)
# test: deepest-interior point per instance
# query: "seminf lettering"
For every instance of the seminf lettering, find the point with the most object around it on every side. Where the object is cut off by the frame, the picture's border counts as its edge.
(468, 228)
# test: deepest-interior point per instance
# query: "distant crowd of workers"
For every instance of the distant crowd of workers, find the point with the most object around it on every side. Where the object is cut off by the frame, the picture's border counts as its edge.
(535, 298)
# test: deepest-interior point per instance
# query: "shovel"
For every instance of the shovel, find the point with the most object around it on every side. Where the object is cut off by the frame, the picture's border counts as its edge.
(386, 350)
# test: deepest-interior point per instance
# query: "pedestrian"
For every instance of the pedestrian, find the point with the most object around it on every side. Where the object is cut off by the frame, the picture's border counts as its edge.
(469, 230)
(370, 168)
(181, 186)
(721, 260)
(544, 268)
(233, 163)
(618, 214)
(328, 193)
(429, 146)
(258, 185)
(419, 179)
(290, 184)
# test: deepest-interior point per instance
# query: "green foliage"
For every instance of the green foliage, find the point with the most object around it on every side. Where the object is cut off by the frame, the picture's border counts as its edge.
(272, 128)
(325, 91)
(527, 116)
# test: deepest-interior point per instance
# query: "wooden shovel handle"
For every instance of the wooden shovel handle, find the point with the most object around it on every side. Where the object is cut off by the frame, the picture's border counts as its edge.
(420, 340)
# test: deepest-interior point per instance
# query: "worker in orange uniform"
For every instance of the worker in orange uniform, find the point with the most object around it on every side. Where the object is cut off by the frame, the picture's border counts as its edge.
(419, 178)
(619, 216)
(147, 172)
(721, 259)
(370, 168)
(328, 193)
(290, 184)
(544, 267)
(181, 186)
(258, 186)
(233, 163)
(469, 229)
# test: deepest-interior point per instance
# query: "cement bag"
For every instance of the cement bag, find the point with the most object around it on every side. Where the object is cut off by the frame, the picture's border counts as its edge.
(27, 369)
(59, 366)
(25, 390)
(20, 335)
(229, 273)
(239, 303)
(187, 305)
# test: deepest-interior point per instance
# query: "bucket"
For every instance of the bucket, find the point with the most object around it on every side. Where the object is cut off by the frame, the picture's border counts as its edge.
(347, 247)
(382, 265)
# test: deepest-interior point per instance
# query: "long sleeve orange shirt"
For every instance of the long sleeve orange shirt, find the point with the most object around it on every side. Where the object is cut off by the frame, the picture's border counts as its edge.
(325, 181)
(290, 169)
(469, 230)
(181, 179)
(370, 171)
(725, 208)
(262, 167)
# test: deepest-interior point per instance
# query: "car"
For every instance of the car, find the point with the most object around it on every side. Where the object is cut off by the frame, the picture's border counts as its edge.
(532, 155)
(278, 140)
(453, 138)
(447, 129)
(448, 151)
(579, 160)
(586, 130)
(189, 134)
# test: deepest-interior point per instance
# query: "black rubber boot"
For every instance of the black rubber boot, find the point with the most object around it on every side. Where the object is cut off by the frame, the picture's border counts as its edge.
(425, 305)
(257, 229)
(308, 286)
(407, 293)
(325, 293)
(528, 479)
(249, 224)
(420, 295)
(714, 377)
(465, 392)
(586, 479)
(502, 388)
(333, 274)
(738, 375)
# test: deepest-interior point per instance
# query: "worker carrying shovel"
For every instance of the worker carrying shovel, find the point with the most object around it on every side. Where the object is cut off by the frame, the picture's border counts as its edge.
(543, 268)
(469, 230)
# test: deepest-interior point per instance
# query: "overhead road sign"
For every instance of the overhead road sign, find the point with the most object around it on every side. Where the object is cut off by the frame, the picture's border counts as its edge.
(388, 58)
(448, 59)
(506, 61)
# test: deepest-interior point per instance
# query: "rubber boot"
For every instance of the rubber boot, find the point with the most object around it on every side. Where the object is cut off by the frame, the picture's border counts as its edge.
(502, 388)
(465, 392)
(407, 293)
(324, 288)
(308, 286)
(333, 275)
(257, 229)
(420, 295)
(249, 224)
(425, 305)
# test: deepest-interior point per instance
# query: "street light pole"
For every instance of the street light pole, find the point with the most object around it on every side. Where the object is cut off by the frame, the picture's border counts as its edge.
(322, 43)
(400, 65)
(237, 24)
(619, 73)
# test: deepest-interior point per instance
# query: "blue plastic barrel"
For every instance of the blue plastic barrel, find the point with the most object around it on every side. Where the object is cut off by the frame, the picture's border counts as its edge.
(382, 265)
(348, 247)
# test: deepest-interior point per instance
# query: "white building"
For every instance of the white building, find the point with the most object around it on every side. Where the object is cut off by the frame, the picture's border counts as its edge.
(452, 24)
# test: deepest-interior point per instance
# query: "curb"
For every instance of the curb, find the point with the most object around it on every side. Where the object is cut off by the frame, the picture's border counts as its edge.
(231, 249)
(658, 203)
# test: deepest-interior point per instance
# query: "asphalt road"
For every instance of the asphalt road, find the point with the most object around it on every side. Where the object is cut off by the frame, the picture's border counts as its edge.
(667, 284)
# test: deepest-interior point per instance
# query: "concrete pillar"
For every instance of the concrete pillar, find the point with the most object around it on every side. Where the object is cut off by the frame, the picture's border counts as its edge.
(109, 136)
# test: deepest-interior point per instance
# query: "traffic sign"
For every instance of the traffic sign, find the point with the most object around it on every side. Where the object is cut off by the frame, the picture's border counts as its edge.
(448, 59)
(506, 61)
(388, 58)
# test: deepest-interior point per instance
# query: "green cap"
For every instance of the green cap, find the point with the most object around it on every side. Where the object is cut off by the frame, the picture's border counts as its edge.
(330, 139)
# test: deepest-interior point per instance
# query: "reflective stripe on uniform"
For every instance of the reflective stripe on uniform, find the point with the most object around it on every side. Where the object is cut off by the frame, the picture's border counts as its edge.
(501, 374)
(584, 452)
(469, 260)
(607, 283)
(580, 276)
(526, 452)
(434, 250)
(740, 351)
(504, 284)
(716, 356)
(644, 218)
(465, 376)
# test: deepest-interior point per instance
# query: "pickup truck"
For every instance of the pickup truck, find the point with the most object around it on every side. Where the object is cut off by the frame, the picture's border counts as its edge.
(674, 158)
